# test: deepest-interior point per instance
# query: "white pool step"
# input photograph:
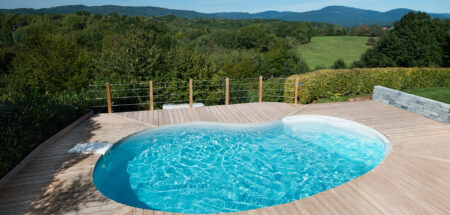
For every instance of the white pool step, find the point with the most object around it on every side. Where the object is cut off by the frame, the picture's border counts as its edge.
(98, 148)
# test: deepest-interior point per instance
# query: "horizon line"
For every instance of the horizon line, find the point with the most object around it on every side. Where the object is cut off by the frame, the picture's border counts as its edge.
(137, 6)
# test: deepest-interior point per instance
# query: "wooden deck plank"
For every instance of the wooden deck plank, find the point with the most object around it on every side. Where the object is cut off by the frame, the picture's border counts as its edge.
(217, 114)
(217, 117)
(251, 115)
(160, 118)
(155, 117)
(166, 115)
(186, 116)
(263, 114)
(413, 179)
(194, 113)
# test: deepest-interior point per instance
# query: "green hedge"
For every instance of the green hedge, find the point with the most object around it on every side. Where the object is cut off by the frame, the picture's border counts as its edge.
(347, 82)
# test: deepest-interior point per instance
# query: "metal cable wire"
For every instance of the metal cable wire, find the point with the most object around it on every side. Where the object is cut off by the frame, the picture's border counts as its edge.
(276, 90)
(121, 90)
(162, 88)
(97, 91)
(130, 84)
(209, 99)
(244, 79)
(244, 83)
(169, 95)
(129, 97)
(100, 106)
(135, 104)
(212, 92)
(277, 78)
(272, 96)
(233, 91)
(239, 97)
(212, 85)
(209, 80)
(275, 84)
(168, 82)
(172, 102)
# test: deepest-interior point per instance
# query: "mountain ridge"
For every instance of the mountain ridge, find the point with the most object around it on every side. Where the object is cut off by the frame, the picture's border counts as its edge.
(340, 15)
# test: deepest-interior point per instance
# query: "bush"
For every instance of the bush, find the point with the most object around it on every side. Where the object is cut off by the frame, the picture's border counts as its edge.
(29, 119)
(348, 82)
(371, 41)
(339, 64)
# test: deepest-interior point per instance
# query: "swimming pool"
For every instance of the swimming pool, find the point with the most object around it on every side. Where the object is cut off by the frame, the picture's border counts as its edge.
(213, 167)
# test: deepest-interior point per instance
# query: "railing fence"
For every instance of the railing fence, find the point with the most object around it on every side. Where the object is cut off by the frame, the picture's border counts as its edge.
(153, 95)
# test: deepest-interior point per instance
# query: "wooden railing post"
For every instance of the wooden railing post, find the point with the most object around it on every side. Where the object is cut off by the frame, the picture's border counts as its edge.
(191, 96)
(108, 97)
(296, 91)
(227, 91)
(260, 88)
(150, 85)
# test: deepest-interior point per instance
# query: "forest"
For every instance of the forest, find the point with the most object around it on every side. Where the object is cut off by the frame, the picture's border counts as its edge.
(49, 61)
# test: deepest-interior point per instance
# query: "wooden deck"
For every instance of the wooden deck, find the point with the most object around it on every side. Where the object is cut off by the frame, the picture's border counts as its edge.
(413, 179)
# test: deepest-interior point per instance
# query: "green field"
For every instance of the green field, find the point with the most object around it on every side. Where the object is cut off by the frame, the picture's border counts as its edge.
(324, 51)
(441, 94)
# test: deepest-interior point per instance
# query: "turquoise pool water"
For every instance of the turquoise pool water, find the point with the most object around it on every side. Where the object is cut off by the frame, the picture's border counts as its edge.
(212, 168)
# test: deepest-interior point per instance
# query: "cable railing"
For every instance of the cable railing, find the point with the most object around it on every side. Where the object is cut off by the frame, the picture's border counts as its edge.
(155, 95)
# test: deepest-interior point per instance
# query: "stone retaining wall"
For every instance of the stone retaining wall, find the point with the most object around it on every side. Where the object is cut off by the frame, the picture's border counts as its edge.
(428, 108)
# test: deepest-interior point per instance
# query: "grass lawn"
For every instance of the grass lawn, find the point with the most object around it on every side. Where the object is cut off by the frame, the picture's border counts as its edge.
(324, 51)
(441, 94)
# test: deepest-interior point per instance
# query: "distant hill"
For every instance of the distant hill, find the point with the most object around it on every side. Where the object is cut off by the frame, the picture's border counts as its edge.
(341, 15)
(262, 15)
(106, 9)
(347, 16)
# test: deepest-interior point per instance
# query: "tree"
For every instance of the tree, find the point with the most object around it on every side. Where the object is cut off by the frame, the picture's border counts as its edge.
(442, 29)
(415, 41)
(281, 60)
(52, 63)
(339, 64)
(76, 22)
(371, 41)
(362, 30)
(374, 58)
(139, 55)
(243, 69)
(254, 37)
(376, 31)
(302, 32)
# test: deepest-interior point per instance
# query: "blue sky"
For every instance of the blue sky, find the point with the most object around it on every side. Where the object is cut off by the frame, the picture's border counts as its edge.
(436, 6)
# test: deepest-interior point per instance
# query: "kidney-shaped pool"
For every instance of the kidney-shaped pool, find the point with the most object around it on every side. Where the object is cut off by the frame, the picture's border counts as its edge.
(213, 167)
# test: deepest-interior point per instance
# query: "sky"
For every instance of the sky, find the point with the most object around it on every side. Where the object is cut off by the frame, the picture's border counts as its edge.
(211, 6)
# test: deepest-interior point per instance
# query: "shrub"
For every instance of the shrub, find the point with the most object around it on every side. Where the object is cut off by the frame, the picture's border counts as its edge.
(339, 64)
(347, 82)
(371, 41)
(29, 119)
